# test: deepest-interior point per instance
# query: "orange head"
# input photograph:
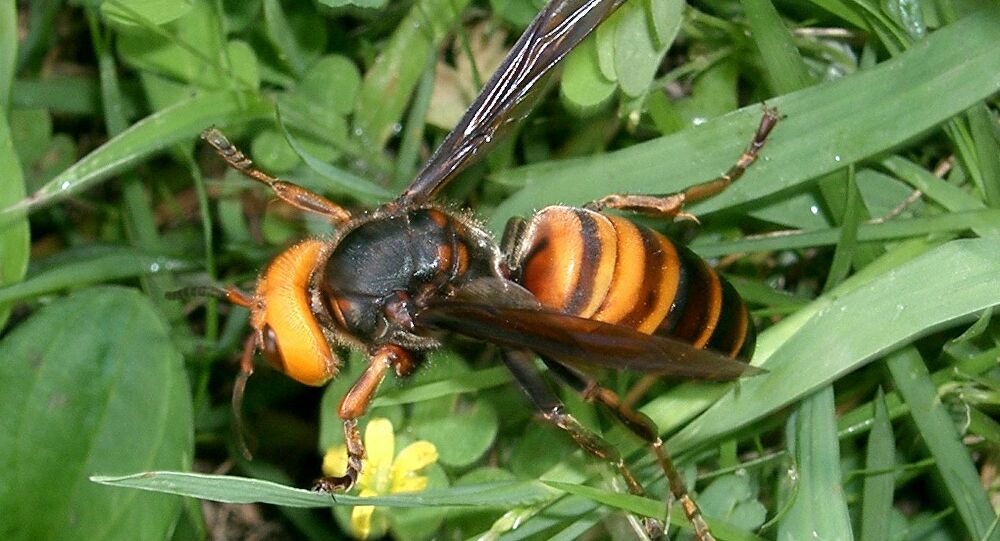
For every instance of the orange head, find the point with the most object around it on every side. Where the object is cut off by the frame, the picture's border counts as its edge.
(288, 333)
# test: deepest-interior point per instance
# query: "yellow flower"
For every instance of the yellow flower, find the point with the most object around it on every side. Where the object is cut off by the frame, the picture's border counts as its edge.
(381, 475)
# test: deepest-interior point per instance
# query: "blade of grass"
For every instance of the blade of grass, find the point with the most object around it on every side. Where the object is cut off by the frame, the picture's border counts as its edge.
(783, 65)
(409, 146)
(15, 237)
(878, 484)
(937, 189)
(651, 508)
(388, 85)
(97, 267)
(860, 419)
(812, 439)
(153, 134)
(881, 315)
(231, 489)
(140, 222)
(983, 124)
(910, 376)
(847, 244)
(955, 222)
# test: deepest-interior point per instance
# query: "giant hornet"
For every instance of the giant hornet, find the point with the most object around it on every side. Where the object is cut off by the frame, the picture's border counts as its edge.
(576, 287)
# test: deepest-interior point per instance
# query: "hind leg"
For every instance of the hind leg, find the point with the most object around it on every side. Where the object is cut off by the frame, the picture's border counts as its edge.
(645, 428)
(672, 205)
(521, 365)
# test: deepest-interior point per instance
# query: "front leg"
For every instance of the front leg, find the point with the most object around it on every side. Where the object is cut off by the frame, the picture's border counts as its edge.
(354, 404)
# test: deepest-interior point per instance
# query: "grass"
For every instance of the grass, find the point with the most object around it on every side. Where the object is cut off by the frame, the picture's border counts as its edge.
(866, 240)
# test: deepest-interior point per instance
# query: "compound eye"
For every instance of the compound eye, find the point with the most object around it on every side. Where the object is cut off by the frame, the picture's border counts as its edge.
(270, 351)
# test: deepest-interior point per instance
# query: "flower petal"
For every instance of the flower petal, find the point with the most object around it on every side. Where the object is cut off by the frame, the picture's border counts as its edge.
(412, 459)
(361, 520)
(414, 483)
(380, 443)
(416, 456)
(335, 461)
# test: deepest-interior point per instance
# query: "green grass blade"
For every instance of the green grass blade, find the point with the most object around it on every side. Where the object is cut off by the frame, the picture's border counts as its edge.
(956, 222)
(350, 183)
(819, 509)
(15, 236)
(96, 267)
(936, 189)
(878, 484)
(827, 127)
(8, 52)
(784, 67)
(942, 439)
(651, 508)
(986, 138)
(156, 133)
(231, 489)
(881, 315)
(388, 85)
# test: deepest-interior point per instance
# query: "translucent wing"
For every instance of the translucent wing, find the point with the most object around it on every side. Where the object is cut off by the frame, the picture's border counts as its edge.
(507, 96)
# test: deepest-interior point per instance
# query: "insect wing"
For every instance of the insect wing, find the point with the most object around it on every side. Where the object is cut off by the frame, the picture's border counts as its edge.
(582, 342)
(507, 96)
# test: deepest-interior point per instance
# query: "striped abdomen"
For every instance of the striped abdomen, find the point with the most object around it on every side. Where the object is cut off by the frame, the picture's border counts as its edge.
(607, 268)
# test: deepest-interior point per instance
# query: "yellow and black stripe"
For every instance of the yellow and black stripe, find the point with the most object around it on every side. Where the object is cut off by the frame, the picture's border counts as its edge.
(602, 267)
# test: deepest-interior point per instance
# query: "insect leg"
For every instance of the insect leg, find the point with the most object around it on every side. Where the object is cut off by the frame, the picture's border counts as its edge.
(292, 194)
(512, 235)
(672, 205)
(352, 406)
(520, 363)
(645, 428)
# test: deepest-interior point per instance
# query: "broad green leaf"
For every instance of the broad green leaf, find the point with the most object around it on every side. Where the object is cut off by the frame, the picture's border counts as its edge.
(825, 128)
(359, 187)
(231, 489)
(732, 498)
(449, 385)
(331, 83)
(517, 12)
(188, 49)
(93, 385)
(156, 12)
(638, 52)
(272, 153)
(809, 350)
(153, 134)
(31, 132)
(461, 435)
(582, 84)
